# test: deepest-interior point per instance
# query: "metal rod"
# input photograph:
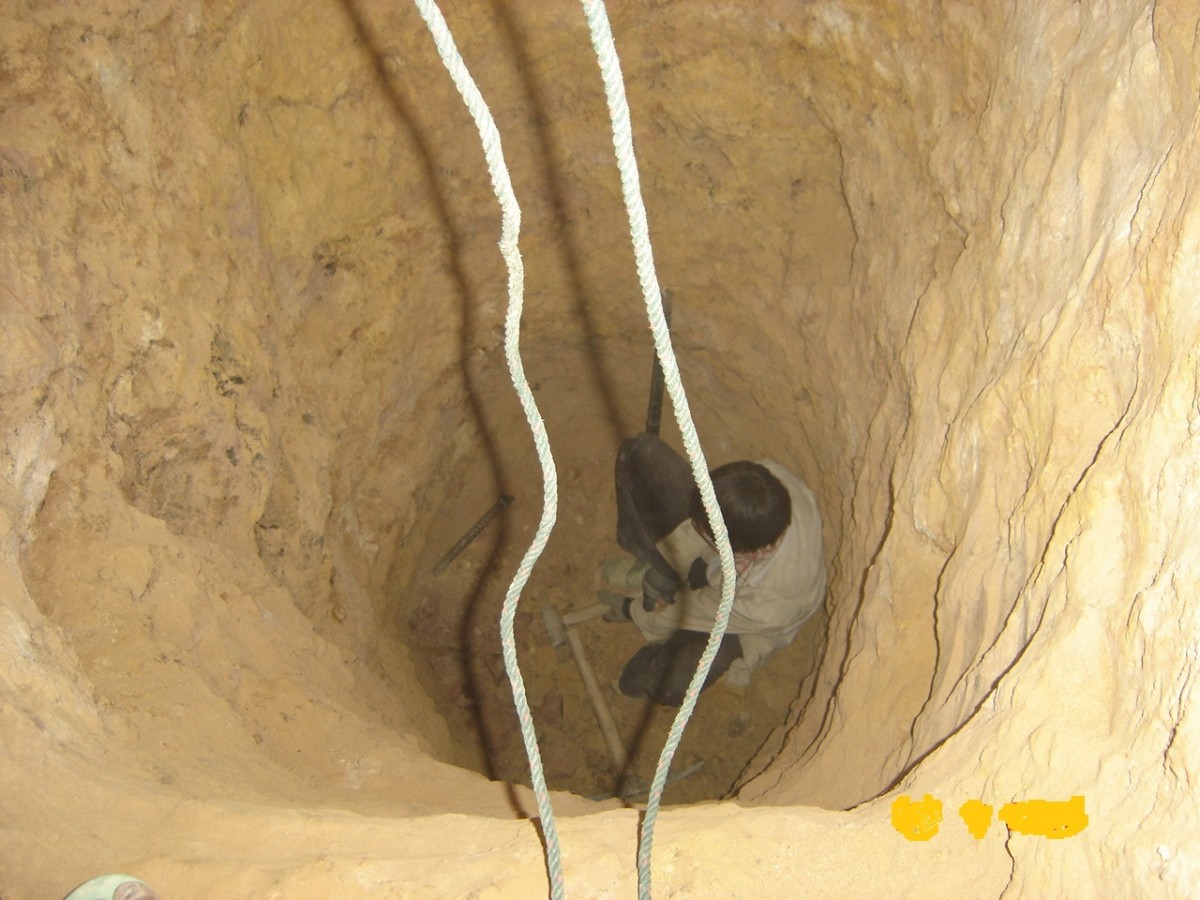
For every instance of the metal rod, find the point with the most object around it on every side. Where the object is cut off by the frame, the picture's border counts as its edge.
(472, 533)
(654, 413)
(633, 786)
(637, 790)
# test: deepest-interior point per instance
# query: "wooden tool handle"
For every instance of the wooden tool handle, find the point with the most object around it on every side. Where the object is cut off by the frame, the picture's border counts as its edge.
(575, 616)
(608, 727)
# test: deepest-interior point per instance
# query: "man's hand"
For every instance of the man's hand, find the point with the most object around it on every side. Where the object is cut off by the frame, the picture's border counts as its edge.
(658, 590)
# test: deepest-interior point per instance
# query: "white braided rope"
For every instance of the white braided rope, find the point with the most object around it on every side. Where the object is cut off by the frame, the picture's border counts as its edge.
(618, 107)
(510, 227)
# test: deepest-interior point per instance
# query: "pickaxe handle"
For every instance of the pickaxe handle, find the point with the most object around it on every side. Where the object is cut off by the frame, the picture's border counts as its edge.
(608, 727)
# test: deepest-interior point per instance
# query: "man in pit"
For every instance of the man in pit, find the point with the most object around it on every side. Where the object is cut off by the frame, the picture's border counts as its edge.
(775, 533)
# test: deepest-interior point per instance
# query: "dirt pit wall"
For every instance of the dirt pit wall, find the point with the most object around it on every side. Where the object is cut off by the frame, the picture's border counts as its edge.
(253, 307)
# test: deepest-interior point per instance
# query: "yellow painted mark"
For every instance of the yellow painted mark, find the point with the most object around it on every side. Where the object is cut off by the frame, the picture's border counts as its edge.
(1048, 818)
(917, 821)
(978, 816)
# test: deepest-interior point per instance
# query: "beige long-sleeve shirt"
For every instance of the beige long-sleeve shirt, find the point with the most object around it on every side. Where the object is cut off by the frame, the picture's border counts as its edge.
(774, 597)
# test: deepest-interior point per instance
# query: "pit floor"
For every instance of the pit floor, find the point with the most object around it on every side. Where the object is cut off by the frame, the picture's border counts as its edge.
(451, 623)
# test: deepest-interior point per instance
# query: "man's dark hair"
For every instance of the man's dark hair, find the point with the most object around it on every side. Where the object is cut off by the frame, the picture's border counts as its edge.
(755, 504)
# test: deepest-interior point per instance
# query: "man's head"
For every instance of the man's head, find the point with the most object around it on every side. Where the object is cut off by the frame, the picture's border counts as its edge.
(754, 503)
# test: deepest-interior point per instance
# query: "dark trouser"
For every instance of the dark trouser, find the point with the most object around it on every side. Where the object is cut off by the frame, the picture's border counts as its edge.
(654, 486)
(664, 671)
